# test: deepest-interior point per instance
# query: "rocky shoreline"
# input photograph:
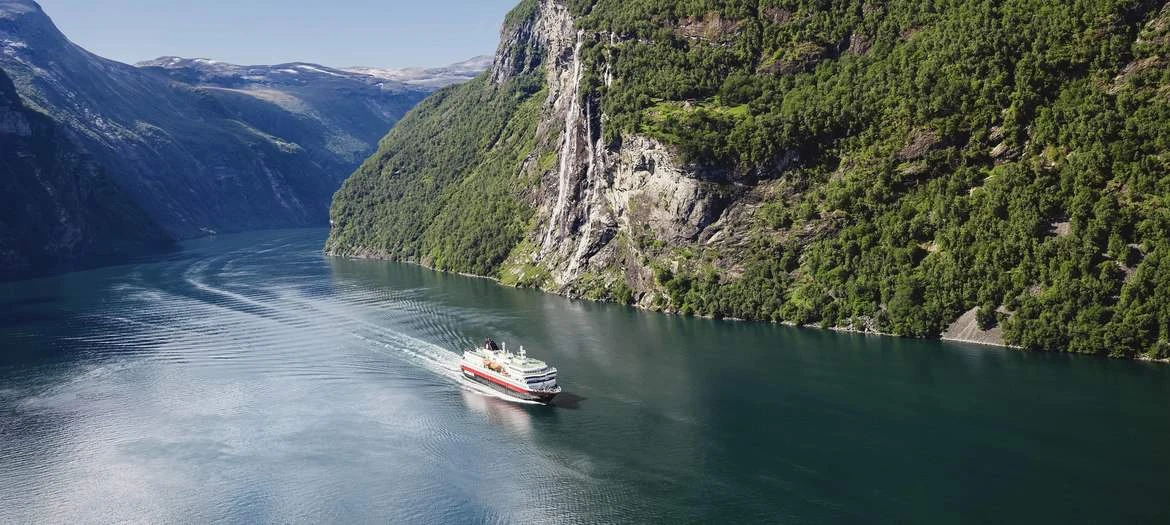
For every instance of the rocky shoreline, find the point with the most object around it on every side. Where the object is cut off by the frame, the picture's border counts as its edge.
(984, 341)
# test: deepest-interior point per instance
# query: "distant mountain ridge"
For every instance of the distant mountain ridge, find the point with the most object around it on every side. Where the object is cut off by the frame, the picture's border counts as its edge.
(434, 77)
(299, 73)
(200, 145)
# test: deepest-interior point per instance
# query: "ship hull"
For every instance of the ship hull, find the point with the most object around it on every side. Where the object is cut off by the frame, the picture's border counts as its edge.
(505, 387)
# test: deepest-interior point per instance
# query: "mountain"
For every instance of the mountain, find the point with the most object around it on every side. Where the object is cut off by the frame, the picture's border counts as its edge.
(295, 76)
(50, 191)
(994, 171)
(329, 111)
(432, 77)
(203, 146)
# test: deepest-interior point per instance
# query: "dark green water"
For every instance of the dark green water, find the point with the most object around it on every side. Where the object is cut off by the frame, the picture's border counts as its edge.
(250, 379)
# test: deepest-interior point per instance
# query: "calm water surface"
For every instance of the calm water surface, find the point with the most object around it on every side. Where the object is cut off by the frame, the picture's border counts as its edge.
(251, 379)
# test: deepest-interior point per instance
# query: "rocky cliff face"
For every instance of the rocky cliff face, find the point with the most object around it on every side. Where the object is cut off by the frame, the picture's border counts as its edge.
(200, 145)
(598, 217)
(599, 210)
(860, 165)
(339, 115)
(593, 217)
(57, 206)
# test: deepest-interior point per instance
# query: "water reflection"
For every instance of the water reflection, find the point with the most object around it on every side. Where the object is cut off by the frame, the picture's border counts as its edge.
(506, 414)
(254, 380)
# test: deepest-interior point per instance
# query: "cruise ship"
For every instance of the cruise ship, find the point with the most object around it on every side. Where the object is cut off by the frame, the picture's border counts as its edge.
(515, 375)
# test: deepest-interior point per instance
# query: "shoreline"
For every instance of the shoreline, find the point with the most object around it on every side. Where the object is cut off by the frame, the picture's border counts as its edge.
(848, 330)
(840, 329)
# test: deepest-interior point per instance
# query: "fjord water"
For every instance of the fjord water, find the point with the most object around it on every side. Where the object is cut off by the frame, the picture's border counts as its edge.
(251, 379)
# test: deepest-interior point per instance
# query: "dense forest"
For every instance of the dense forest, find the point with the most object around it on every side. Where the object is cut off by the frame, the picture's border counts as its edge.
(440, 190)
(919, 158)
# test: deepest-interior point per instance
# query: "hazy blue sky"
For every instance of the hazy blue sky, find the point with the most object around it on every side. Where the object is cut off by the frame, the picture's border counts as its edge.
(379, 33)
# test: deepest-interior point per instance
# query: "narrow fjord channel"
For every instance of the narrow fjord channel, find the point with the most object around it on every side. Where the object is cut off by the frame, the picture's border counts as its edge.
(249, 378)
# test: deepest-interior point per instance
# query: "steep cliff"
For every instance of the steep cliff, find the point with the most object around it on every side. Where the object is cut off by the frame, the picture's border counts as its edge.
(876, 166)
(56, 205)
(204, 146)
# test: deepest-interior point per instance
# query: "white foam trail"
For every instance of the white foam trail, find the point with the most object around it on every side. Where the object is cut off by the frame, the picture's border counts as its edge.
(429, 356)
(441, 361)
(224, 293)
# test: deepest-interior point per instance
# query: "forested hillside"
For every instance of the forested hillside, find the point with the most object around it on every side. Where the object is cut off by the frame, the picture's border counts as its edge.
(884, 166)
(438, 188)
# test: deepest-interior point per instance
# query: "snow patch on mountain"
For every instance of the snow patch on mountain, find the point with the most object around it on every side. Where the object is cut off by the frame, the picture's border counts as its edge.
(12, 9)
(203, 70)
(222, 73)
(434, 77)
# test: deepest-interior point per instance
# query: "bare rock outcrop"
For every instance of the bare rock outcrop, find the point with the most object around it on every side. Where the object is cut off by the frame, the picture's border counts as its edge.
(966, 330)
(597, 201)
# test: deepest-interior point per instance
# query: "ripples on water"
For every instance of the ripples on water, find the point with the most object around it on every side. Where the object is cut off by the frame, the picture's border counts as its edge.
(250, 379)
(248, 384)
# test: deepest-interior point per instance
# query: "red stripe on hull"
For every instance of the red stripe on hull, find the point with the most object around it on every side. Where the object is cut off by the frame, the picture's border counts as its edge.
(502, 383)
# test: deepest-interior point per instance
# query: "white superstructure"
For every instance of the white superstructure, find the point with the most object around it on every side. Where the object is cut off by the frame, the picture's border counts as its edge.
(514, 374)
